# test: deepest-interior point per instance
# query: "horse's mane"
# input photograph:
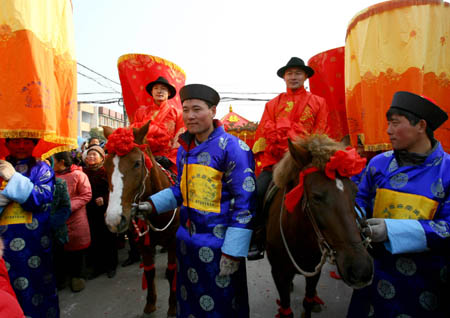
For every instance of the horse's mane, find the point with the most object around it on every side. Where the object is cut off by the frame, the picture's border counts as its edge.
(321, 148)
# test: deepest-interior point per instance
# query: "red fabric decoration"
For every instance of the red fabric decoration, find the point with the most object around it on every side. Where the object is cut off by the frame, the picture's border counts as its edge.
(347, 163)
(144, 279)
(158, 137)
(294, 196)
(121, 142)
(277, 135)
(316, 299)
(282, 312)
(335, 275)
(173, 267)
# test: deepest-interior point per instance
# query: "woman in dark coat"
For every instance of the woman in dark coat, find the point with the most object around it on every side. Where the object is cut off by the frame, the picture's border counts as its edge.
(102, 254)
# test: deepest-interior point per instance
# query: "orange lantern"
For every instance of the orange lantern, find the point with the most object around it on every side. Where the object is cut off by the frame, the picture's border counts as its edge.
(328, 82)
(395, 46)
(38, 75)
(137, 70)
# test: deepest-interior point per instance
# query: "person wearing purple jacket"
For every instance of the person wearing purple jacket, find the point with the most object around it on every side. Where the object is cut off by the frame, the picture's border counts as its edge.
(28, 193)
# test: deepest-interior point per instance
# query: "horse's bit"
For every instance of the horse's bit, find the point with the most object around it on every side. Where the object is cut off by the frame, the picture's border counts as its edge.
(327, 251)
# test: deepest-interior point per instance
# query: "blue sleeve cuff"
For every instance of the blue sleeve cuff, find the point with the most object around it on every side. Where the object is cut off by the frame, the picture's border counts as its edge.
(164, 201)
(405, 236)
(18, 188)
(237, 241)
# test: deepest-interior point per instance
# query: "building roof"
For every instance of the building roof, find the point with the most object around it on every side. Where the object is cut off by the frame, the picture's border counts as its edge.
(233, 120)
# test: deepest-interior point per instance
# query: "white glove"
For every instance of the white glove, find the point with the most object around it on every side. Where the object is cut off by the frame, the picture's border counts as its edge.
(378, 230)
(4, 201)
(228, 266)
(6, 170)
(145, 206)
(144, 209)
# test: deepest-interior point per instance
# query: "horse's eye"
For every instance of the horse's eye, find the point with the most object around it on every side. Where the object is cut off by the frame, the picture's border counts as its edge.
(318, 197)
(137, 164)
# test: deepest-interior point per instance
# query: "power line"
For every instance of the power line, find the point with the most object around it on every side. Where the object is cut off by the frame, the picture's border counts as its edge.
(230, 99)
(105, 101)
(253, 93)
(98, 73)
(93, 79)
(94, 93)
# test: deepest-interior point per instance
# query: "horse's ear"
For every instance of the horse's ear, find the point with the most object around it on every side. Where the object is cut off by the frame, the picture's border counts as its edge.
(140, 133)
(301, 155)
(107, 131)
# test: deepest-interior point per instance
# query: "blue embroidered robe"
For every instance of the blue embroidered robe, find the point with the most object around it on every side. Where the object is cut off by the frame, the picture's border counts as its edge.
(216, 191)
(28, 246)
(410, 277)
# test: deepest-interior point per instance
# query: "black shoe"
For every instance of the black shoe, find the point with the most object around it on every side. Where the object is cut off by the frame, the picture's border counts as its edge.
(129, 261)
(111, 273)
(254, 253)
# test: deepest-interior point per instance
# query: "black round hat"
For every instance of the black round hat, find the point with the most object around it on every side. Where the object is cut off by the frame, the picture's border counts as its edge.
(162, 80)
(296, 62)
(199, 91)
(421, 107)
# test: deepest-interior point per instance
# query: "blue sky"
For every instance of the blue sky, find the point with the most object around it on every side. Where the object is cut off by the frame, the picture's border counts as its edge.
(233, 46)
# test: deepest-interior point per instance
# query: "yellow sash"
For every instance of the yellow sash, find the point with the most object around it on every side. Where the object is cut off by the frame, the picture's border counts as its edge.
(13, 212)
(391, 204)
(205, 187)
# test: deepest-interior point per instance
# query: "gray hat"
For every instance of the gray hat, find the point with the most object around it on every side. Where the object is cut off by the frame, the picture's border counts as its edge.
(199, 91)
(421, 107)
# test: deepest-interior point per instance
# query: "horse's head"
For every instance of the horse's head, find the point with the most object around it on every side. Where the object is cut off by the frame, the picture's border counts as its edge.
(126, 170)
(329, 201)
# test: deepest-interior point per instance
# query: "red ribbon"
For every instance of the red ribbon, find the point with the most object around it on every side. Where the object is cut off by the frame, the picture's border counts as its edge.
(173, 267)
(121, 142)
(144, 278)
(346, 163)
(283, 312)
(294, 196)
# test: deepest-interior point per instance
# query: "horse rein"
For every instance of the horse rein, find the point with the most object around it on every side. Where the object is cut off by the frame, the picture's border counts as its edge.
(327, 251)
(363, 226)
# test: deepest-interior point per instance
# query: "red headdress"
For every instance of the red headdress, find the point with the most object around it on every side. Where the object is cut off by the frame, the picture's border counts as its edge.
(346, 163)
(121, 142)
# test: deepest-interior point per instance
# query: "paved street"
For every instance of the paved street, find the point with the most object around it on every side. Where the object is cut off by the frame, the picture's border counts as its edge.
(122, 296)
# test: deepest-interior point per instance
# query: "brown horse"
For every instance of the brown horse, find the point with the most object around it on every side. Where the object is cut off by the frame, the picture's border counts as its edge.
(130, 181)
(323, 225)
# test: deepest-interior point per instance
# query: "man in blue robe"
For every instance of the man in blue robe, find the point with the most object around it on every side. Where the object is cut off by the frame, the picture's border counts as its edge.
(25, 203)
(406, 196)
(216, 192)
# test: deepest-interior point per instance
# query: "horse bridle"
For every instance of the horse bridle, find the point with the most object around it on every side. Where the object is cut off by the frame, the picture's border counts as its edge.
(135, 207)
(327, 251)
(140, 193)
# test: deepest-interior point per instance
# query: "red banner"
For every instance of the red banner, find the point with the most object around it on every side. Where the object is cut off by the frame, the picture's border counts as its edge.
(137, 70)
(328, 82)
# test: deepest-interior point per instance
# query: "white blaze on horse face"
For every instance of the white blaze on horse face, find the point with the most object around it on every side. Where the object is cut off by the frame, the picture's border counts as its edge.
(339, 185)
(114, 211)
